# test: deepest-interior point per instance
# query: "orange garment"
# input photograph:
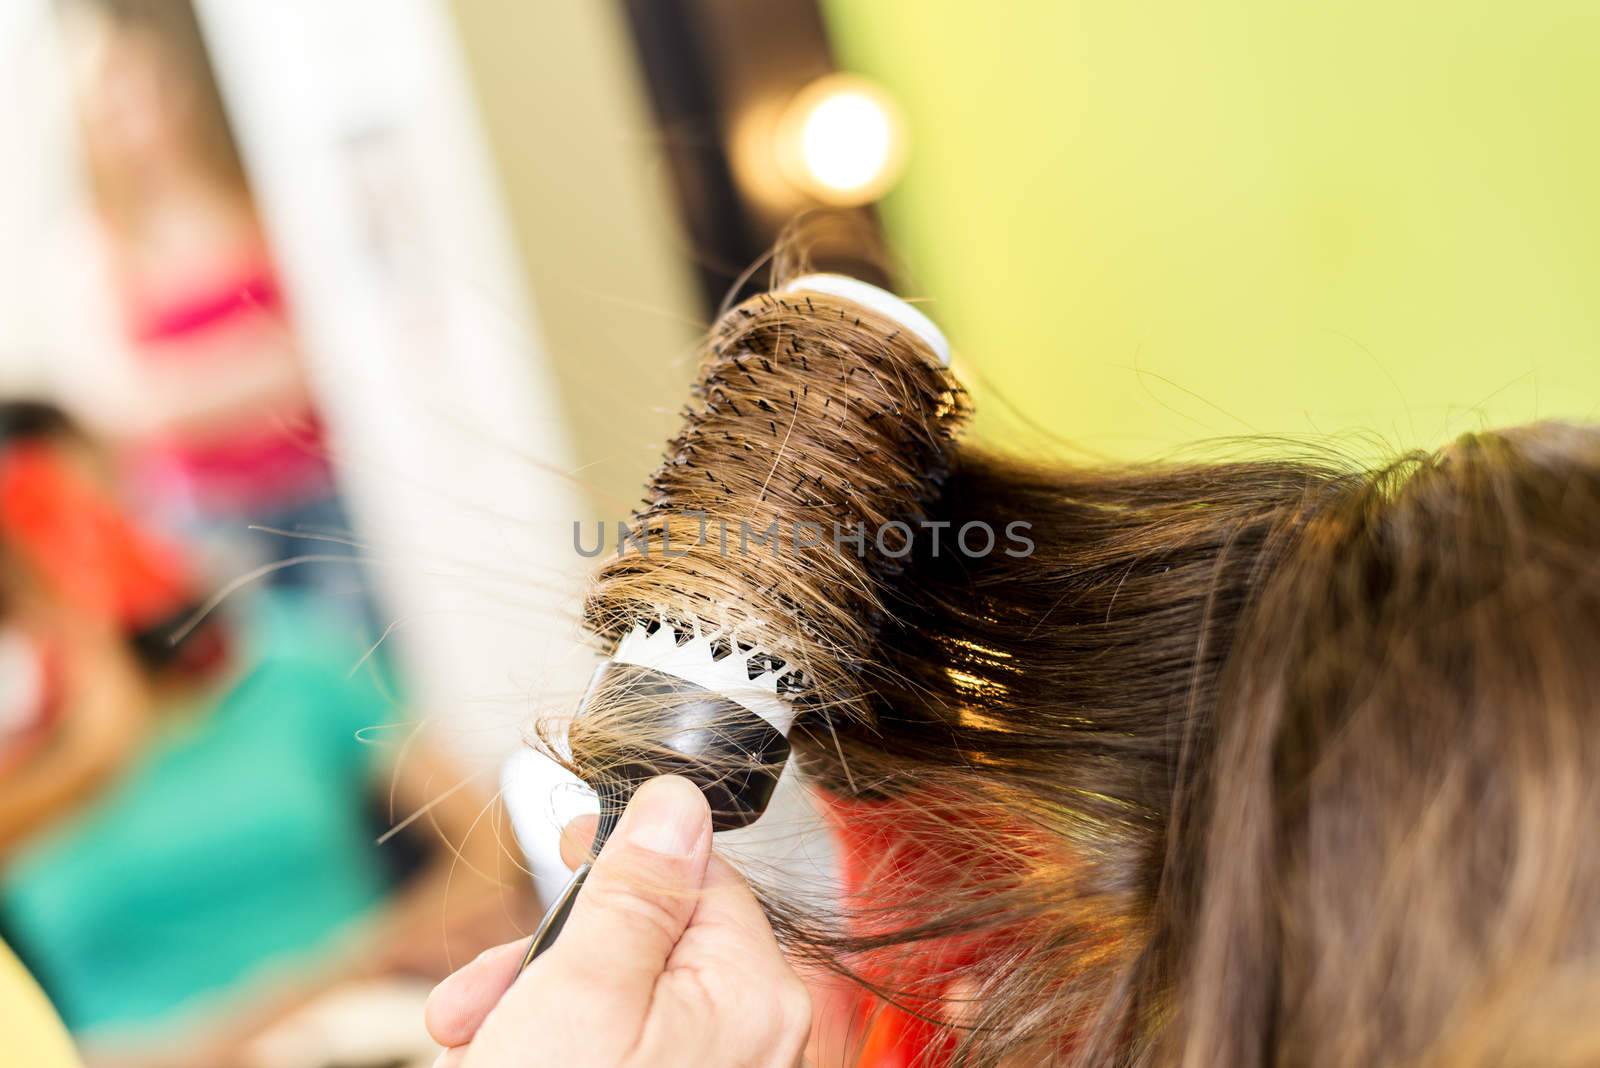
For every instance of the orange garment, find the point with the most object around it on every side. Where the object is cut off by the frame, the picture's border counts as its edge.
(82, 543)
(893, 857)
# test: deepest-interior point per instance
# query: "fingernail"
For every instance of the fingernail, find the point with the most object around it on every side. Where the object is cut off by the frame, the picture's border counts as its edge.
(667, 816)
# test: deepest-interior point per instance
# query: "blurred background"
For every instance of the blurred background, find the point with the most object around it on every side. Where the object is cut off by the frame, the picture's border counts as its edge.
(323, 321)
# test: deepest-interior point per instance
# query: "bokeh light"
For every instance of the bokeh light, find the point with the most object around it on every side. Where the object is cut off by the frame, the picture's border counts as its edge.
(844, 141)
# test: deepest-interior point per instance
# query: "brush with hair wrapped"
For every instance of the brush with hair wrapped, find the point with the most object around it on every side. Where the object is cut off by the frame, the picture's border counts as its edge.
(752, 583)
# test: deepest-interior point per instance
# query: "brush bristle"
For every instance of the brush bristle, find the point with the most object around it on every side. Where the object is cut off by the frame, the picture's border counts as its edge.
(813, 417)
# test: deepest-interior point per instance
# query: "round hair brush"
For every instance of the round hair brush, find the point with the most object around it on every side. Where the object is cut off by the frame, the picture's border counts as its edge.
(751, 584)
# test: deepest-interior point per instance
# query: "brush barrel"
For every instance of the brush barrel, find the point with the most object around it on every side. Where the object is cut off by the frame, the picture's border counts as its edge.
(733, 755)
(817, 440)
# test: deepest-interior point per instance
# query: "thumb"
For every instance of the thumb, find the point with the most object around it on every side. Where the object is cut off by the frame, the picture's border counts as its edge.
(638, 899)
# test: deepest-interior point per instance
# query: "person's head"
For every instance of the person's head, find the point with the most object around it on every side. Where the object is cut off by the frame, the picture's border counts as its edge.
(147, 99)
(72, 694)
(1392, 864)
(90, 606)
(1268, 762)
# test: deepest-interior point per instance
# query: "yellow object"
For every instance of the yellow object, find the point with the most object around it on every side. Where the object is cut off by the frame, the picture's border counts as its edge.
(1148, 224)
(29, 1029)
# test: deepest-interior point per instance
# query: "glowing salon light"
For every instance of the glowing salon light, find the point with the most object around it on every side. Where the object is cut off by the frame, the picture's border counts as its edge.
(846, 144)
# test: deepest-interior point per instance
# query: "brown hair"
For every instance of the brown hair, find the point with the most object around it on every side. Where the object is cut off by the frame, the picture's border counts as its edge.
(1266, 762)
(171, 30)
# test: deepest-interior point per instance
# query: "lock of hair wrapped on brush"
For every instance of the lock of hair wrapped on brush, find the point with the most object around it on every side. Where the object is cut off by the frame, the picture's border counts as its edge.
(983, 668)
(820, 428)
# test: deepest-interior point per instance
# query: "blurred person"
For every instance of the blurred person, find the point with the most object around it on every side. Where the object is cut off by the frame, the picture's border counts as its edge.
(188, 814)
(231, 436)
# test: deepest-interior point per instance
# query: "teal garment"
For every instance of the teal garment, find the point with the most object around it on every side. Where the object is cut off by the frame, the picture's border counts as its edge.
(240, 839)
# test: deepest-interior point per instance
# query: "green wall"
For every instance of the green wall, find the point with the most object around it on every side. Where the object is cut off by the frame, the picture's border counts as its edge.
(1150, 222)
